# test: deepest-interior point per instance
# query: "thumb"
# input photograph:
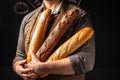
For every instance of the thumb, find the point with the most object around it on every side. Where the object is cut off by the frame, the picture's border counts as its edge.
(22, 62)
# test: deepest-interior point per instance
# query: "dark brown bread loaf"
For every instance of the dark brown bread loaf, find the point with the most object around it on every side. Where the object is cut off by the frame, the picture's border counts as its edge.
(56, 33)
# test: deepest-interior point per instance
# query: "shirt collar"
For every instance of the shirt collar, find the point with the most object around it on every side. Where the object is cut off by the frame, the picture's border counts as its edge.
(56, 11)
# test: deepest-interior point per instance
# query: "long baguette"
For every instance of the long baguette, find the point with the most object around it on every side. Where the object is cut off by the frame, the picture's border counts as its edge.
(56, 34)
(71, 45)
(30, 30)
(39, 33)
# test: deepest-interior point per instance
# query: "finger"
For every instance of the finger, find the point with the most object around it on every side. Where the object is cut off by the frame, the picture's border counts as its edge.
(25, 71)
(30, 76)
(22, 62)
(28, 64)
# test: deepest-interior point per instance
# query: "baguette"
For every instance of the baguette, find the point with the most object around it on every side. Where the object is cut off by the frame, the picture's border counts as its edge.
(30, 30)
(56, 34)
(71, 45)
(39, 33)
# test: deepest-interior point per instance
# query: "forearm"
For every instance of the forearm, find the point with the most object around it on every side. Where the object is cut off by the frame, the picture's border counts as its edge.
(60, 67)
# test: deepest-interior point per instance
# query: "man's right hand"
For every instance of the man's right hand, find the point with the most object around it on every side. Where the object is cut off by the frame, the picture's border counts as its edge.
(25, 73)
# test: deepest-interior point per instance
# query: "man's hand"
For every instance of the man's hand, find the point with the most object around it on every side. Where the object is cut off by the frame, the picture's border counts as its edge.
(62, 66)
(35, 64)
(25, 73)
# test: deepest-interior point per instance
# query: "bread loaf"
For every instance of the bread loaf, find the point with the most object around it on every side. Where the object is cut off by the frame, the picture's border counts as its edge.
(39, 33)
(56, 34)
(32, 26)
(72, 44)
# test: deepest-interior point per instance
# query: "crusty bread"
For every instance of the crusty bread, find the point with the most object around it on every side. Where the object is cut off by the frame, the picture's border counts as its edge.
(56, 33)
(72, 44)
(39, 33)
(29, 33)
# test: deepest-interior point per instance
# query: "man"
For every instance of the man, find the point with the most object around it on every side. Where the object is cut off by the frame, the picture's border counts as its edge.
(72, 67)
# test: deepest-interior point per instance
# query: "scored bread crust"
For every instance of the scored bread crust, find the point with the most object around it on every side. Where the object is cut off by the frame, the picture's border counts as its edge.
(56, 33)
(39, 33)
(72, 44)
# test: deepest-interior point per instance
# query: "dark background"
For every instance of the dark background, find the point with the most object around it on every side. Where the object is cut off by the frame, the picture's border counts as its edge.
(105, 19)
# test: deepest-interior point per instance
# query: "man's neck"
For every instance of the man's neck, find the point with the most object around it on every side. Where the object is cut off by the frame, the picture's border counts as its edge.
(51, 4)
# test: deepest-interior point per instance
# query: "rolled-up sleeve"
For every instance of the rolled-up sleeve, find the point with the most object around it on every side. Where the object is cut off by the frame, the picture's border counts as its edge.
(83, 59)
(20, 52)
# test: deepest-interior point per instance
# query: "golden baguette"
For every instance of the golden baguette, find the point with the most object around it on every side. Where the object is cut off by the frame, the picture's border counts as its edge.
(29, 33)
(71, 45)
(55, 35)
(39, 33)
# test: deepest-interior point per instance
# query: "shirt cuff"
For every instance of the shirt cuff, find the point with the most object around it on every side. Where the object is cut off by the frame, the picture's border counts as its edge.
(76, 64)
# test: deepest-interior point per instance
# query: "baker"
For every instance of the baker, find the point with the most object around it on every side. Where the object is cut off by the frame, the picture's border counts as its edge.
(74, 66)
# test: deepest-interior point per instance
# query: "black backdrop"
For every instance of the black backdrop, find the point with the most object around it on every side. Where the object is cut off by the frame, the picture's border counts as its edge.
(105, 19)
